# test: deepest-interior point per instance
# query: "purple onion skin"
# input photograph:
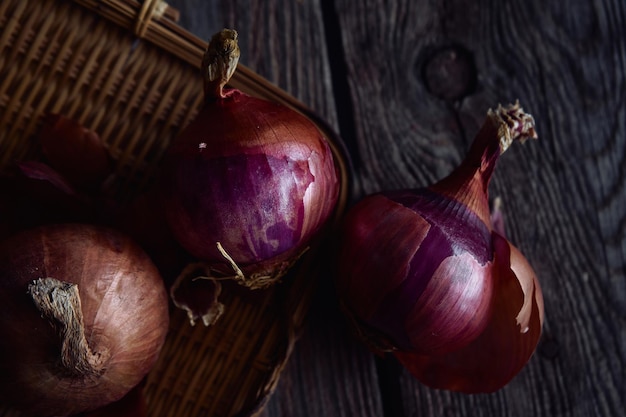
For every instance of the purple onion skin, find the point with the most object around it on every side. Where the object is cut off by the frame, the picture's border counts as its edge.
(253, 175)
(423, 273)
(424, 284)
(492, 360)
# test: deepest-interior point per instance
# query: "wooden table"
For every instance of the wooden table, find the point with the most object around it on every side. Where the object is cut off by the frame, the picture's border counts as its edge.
(407, 84)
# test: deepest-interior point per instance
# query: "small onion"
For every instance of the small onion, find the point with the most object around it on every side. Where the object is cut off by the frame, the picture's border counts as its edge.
(33, 193)
(78, 153)
(83, 316)
(423, 273)
(249, 182)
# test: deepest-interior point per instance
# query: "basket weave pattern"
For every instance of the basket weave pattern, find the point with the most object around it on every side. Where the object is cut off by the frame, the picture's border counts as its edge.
(60, 58)
(125, 70)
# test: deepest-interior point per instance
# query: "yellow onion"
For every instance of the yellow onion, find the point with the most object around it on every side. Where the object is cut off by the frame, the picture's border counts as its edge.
(422, 272)
(83, 317)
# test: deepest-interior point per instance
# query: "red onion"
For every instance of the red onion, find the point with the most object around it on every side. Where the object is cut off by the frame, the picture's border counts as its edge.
(78, 153)
(65, 185)
(423, 273)
(33, 193)
(83, 316)
(498, 354)
(249, 182)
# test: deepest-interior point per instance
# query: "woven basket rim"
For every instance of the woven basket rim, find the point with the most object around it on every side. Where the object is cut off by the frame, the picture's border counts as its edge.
(154, 22)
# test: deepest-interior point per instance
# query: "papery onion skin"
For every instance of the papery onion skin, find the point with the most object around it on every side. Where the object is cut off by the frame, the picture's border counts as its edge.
(34, 194)
(253, 175)
(426, 251)
(75, 151)
(415, 266)
(260, 189)
(124, 306)
(508, 342)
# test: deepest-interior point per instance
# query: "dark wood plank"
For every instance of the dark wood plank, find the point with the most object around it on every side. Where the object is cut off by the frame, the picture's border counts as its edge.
(329, 374)
(282, 41)
(564, 194)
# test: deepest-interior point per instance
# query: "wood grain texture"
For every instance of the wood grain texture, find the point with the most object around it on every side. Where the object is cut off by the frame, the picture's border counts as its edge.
(564, 194)
(361, 66)
(330, 374)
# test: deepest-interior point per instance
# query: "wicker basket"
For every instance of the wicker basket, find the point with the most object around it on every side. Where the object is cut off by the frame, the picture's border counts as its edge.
(126, 70)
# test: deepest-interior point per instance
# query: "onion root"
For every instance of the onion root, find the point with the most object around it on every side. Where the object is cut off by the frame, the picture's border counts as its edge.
(59, 302)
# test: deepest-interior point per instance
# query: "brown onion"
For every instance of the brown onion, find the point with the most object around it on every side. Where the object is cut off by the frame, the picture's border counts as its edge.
(249, 182)
(83, 316)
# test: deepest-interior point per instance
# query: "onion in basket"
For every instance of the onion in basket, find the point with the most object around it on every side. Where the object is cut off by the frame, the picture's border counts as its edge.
(83, 316)
(249, 182)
